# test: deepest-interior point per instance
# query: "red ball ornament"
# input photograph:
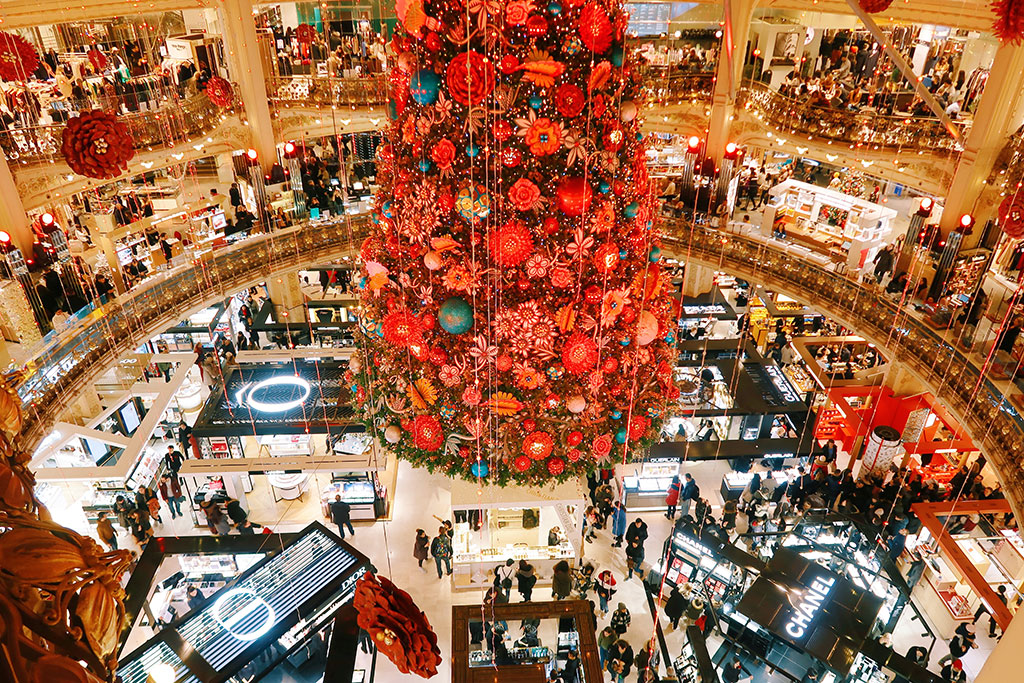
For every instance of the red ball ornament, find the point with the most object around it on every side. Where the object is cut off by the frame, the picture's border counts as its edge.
(523, 284)
(606, 257)
(579, 354)
(574, 195)
(556, 466)
(401, 327)
(610, 365)
(551, 225)
(628, 314)
(438, 356)
(219, 91)
(551, 401)
(511, 157)
(874, 6)
(427, 432)
(538, 445)
(593, 295)
(501, 130)
(529, 425)
(575, 438)
(503, 363)
(536, 26)
(433, 42)
(522, 463)
(428, 321)
(570, 100)
(1011, 217)
(510, 244)
(509, 64)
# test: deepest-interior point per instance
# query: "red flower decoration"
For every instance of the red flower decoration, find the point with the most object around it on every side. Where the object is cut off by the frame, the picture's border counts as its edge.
(401, 327)
(443, 154)
(602, 446)
(570, 100)
(470, 78)
(556, 466)
(219, 91)
(305, 33)
(574, 454)
(1011, 216)
(510, 244)
(538, 445)
(398, 627)
(579, 354)
(18, 59)
(523, 194)
(427, 432)
(96, 144)
(874, 6)
(522, 463)
(595, 28)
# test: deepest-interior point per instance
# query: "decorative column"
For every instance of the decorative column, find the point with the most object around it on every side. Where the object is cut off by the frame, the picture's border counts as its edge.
(729, 72)
(243, 57)
(287, 297)
(13, 219)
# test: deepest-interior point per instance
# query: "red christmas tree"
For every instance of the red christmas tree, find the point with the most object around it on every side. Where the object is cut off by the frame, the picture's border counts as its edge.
(517, 324)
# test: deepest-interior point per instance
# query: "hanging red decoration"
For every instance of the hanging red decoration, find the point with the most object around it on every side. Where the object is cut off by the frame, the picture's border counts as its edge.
(97, 59)
(96, 144)
(397, 627)
(1009, 23)
(305, 33)
(18, 58)
(515, 210)
(1011, 216)
(874, 6)
(220, 92)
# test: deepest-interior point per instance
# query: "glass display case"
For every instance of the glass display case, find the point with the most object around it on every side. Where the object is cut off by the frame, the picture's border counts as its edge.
(733, 483)
(646, 489)
(288, 485)
(360, 490)
(287, 444)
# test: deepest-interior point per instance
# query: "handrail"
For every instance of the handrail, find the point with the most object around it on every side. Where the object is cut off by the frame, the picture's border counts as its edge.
(52, 379)
(321, 90)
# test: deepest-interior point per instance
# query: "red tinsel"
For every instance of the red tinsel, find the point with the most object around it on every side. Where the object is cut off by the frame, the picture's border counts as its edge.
(18, 59)
(96, 144)
(398, 627)
(874, 6)
(1009, 23)
(220, 92)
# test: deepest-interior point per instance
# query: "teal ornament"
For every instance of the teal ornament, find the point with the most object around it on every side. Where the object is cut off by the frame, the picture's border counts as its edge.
(654, 254)
(455, 315)
(392, 110)
(652, 413)
(447, 412)
(603, 187)
(555, 372)
(573, 45)
(631, 210)
(362, 282)
(670, 338)
(555, 8)
(616, 414)
(473, 202)
(620, 436)
(425, 165)
(536, 101)
(424, 86)
(624, 342)
(639, 136)
(479, 469)
(385, 209)
(472, 150)
(623, 254)
(616, 55)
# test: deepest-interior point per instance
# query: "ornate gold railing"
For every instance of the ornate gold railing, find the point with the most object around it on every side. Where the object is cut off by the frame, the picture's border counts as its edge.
(63, 366)
(320, 90)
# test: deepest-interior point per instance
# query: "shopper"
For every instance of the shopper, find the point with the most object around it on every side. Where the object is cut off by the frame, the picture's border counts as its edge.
(605, 589)
(637, 531)
(561, 581)
(675, 606)
(526, 579)
(503, 574)
(170, 491)
(122, 509)
(634, 558)
(605, 641)
(672, 497)
(216, 522)
(185, 438)
(734, 672)
(173, 460)
(954, 672)
(341, 514)
(689, 493)
(140, 527)
(982, 609)
(248, 528)
(582, 580)
(420, 547)
(105, 531)
(618, 516)
(145, 497)
(620, 619)
(441, 549)
(236, 513)
(620, 660)
(194, 598)
(961, 643)
(729, 514)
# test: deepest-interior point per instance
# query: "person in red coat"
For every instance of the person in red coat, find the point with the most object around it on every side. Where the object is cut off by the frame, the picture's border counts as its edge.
(672, 497)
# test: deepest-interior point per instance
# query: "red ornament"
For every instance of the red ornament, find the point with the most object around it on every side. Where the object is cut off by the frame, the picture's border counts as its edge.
(570, 100)
(305, 33)
(628, 314)
(551, 401)
(536, 26)
(575, 438)
(593, 295)
(503, 363)
(556, 466)
(501, 130)
(606, 257)
(510, 244)
(433, 42)
(874, 6)
(96, 144)
(427, 433)
(529, 425)
(401, 327)
(538, 445)
(574, 454)
(470, 78)
(522, 463)
(511, 157)
(610, 365)
(509, 64)
(595, 28)
(551, 225)
(18, 59)
(397, 627)
(219, 91)
(574, 195)
(1011, 216)
(579, 354)
(438, 356)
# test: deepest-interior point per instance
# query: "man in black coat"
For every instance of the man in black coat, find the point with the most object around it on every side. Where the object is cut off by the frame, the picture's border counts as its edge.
(637, 531)
(341, 515)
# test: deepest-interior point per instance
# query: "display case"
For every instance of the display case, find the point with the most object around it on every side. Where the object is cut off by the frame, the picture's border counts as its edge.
(359, 490)
(288, 485)
(101, 499)
(694, 665)
(280, 445)
(646, 490)
(733, 483)
(689, 561)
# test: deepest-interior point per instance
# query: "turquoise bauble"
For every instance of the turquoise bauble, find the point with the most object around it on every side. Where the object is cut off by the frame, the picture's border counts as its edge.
(424, 86)
(615, 56)
(472, 150)
(631, 210)
(654, 255)
(473, 202)
(425, 165)
(480, 469)
(620, 436)
(455, 315)
(555, 8)
(536, 102)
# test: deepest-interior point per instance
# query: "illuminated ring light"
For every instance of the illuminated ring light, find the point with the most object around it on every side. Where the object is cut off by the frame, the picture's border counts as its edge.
(248, 396)
(243, 614)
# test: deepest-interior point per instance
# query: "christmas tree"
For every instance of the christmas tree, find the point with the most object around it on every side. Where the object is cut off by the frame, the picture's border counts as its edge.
(516, 323)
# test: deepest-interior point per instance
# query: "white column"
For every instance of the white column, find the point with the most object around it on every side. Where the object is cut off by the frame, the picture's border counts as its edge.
(243, 57)
(13, 218)
(735, 35)
(1003, 663)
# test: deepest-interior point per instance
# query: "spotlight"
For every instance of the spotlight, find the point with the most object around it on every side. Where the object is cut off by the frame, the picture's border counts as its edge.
(966, 223)
(732, 150)
(925, 208)
(693, 144)
(252, 155)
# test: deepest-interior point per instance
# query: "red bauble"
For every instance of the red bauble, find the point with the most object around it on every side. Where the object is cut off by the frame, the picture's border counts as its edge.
(220, 91)
(556, 466)
(510, 244)
(96, 144)
(874, 6)
(606, 257)
(529, 425)
(511, 157)
(538, 445)
(595, 28)
(503, 363)
(18, 59)
(1011, 216)
(438, 356)
(579, 354)
(501, 130)
(509, 64)
(610, 365)
(522, 463)
(427, 433)
(536, 25)
(570, 100)
(593, 295)
(575, 438)
(628, 314)
(470, 78)
(428, 321)
(551, 225)
(401, 327)
(574, 195)
(305, 33)
(551, 401)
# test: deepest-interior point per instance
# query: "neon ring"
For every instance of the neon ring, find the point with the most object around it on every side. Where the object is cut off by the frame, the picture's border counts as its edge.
(278, 406)
(238, 624)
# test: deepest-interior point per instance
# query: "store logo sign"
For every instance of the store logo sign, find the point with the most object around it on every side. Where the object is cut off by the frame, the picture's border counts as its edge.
(808, 606)
(251, 615)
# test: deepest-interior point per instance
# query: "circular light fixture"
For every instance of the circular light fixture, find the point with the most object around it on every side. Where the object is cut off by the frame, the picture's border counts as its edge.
(244, 605)
(47, 219)
(926, 203)
(289, 148)
(249, 396)
(251, 154)
(161, 673)
(693, 143)
(966, 221)
(5, 237)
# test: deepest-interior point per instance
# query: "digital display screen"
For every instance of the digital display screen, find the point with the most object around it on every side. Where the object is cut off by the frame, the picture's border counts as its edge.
(130, 418)
(97, 450)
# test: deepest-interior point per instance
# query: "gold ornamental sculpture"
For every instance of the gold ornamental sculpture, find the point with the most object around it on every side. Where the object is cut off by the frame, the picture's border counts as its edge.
(61, 603)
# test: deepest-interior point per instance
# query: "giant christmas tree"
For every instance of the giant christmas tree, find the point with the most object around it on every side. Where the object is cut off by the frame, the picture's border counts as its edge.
(516, 323)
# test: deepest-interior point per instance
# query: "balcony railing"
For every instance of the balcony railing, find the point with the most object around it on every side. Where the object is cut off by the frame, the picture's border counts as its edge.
(173, 122)
(320, 90)
(56, 374)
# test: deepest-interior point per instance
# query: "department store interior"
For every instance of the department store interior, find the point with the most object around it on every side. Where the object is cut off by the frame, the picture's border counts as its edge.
(571, 341)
